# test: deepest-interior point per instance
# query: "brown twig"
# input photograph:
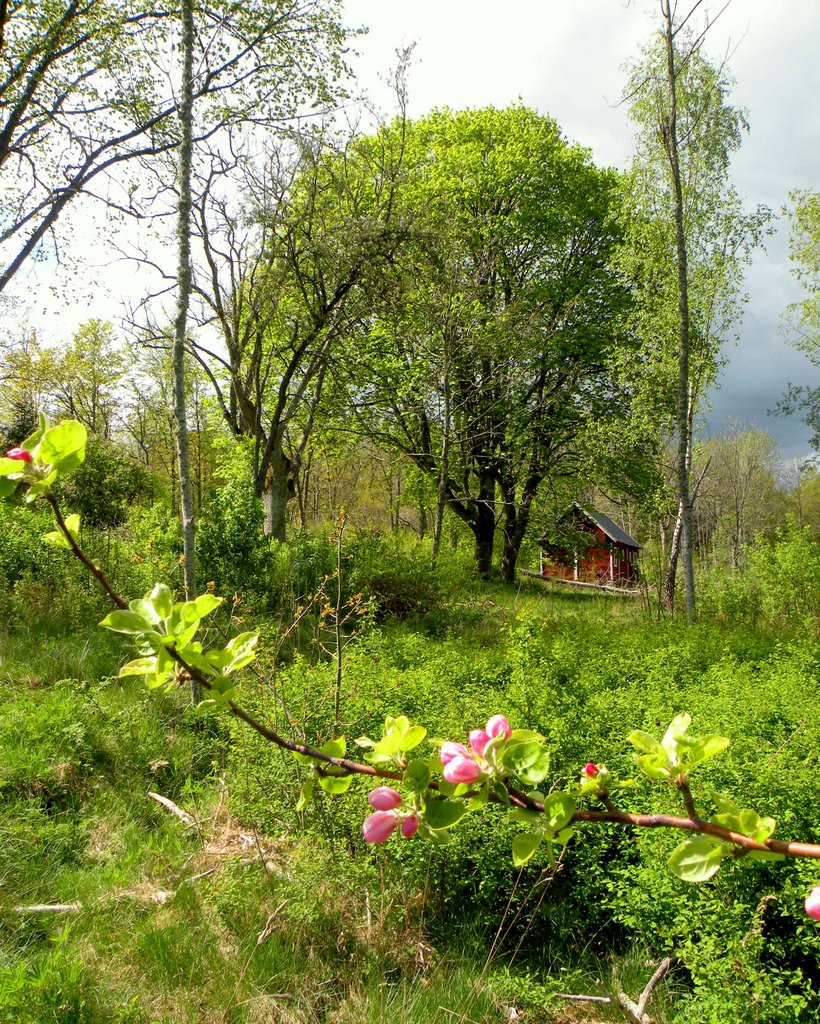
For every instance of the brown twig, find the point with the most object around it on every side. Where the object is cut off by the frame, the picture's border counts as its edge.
(96, 572)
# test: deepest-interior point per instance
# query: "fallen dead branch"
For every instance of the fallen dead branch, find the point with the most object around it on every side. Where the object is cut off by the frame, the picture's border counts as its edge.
(635, 1012)
(49, 908)
(169, 805)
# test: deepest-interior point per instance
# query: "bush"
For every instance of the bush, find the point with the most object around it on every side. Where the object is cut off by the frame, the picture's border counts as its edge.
(778, 587)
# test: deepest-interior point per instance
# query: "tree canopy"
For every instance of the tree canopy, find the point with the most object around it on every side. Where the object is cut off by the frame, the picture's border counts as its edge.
(804, 317)
(489, 352)
(86, 90)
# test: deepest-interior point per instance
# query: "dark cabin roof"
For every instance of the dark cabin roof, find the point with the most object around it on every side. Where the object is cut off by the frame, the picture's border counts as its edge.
(612, 530)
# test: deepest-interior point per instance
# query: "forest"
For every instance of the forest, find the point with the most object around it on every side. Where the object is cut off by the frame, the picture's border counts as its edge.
(296, 727)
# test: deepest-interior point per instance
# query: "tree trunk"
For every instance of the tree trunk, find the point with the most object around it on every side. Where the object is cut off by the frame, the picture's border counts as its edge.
(275, 494)
(515, 526)
(683, 418)
(483, 526)
(484, 534)
(183, 298)
(438, 522)
(672, 564)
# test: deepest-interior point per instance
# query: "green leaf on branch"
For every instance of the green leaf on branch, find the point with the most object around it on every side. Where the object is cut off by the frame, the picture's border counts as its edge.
(221, 691)
(530, 761)
(558, 810)
(479, 799)
(63, 446)
(193, 611)
(241, 651)
(192, 655)
(524, 847)
(163, 671)
(14, 468)
(744, 820)
(139, 667)
(697, 859)
(677, 752)
(441, 814)
(435, 835)
(40, 487)
(417, 776)
(162, 600)
(398, 736)
(643, 741)
(306, 795)
(127, 622)
(142, 606)
(500, 793)
(58, 538)
(335, 784)
(412, 737)
(525, 816)
(335, 747)
(700, 749)
(525, 736)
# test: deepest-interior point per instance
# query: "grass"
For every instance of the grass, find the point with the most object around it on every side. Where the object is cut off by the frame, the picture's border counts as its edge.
(260, 914)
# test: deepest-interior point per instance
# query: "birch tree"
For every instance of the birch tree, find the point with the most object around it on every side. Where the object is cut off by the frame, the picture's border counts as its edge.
(688, 240)
(87, 92)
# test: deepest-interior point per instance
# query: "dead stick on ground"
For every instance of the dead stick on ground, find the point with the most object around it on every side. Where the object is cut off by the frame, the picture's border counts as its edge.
(169, 805)
(636, 1012)
(49, 908)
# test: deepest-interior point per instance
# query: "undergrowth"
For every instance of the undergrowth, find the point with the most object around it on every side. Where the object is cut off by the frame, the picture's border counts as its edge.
(257, 913)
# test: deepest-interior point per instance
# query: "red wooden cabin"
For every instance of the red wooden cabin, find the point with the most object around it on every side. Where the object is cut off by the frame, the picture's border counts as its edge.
(610, 557)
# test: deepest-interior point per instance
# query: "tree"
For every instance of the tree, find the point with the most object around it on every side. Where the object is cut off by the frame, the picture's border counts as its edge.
(84, 378)
(26, 387)
(280, 272)
(739, 496)
(183, 289)
(85, 93)
(803, 317)
(489, 351)
(81, 381)
(688, 238)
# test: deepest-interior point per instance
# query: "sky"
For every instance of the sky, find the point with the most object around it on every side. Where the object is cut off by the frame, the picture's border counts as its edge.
(566, 58)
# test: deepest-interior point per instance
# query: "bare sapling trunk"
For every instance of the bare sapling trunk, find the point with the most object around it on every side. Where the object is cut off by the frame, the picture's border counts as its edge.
(183, 299)
(670, 135)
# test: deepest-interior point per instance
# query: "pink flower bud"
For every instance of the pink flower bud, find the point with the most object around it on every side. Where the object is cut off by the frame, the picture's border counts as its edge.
(812, 903)
(449, 750)
(478, 741)
(379, 826)
(461, 769)
(19, 453)
(383, 798)
(590, 769)
(409, 826)
(498, 726)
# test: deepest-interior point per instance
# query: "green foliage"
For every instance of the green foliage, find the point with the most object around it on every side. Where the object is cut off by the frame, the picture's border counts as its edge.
(230, 548)
(164, 633)
(106, 486)
(457, 378)
(804, 316)
(779, 586)
(573, 680)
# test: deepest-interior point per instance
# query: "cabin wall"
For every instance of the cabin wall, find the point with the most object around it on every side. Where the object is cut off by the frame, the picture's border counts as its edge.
(601, 561)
